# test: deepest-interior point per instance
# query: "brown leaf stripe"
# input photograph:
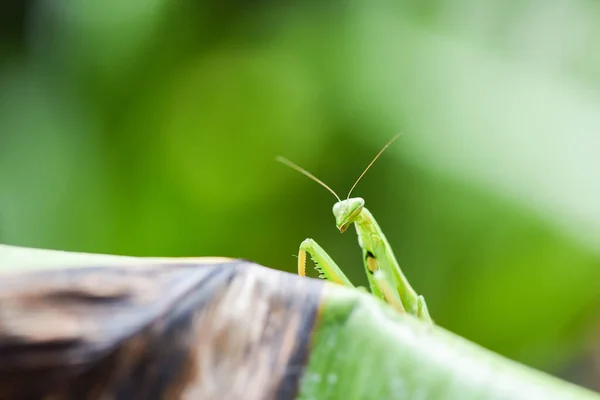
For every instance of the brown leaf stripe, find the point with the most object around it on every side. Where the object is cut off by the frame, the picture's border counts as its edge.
(230, 330)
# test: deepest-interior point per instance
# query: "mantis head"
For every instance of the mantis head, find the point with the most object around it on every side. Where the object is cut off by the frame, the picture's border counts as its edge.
(347, 211)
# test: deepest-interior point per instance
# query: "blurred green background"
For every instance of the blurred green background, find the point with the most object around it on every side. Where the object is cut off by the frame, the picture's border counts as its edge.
(150, 128)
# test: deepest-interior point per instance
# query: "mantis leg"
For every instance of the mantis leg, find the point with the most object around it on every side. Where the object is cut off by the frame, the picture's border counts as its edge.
(327, 268)
(386, 286)
(378, 256)
(388, 291)
(422, 310)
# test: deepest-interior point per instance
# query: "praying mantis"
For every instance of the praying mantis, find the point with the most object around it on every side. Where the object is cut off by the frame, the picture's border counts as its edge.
(432, 363)
(385, 277)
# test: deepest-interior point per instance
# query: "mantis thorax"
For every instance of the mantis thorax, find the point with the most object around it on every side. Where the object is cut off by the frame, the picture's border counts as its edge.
(347, 211)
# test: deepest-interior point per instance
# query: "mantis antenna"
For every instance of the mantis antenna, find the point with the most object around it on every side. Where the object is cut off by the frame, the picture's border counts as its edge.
(305, 172)
(372, 162)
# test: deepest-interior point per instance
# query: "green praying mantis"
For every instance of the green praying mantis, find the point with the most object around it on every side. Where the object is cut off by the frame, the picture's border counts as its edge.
(399, 357)
(385, 277)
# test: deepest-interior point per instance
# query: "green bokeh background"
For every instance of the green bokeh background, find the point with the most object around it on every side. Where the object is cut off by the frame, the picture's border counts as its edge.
(150, 128)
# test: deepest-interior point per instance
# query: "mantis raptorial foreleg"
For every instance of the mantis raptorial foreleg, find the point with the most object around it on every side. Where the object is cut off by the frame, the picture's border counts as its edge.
(329, 270)
(384, 274)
